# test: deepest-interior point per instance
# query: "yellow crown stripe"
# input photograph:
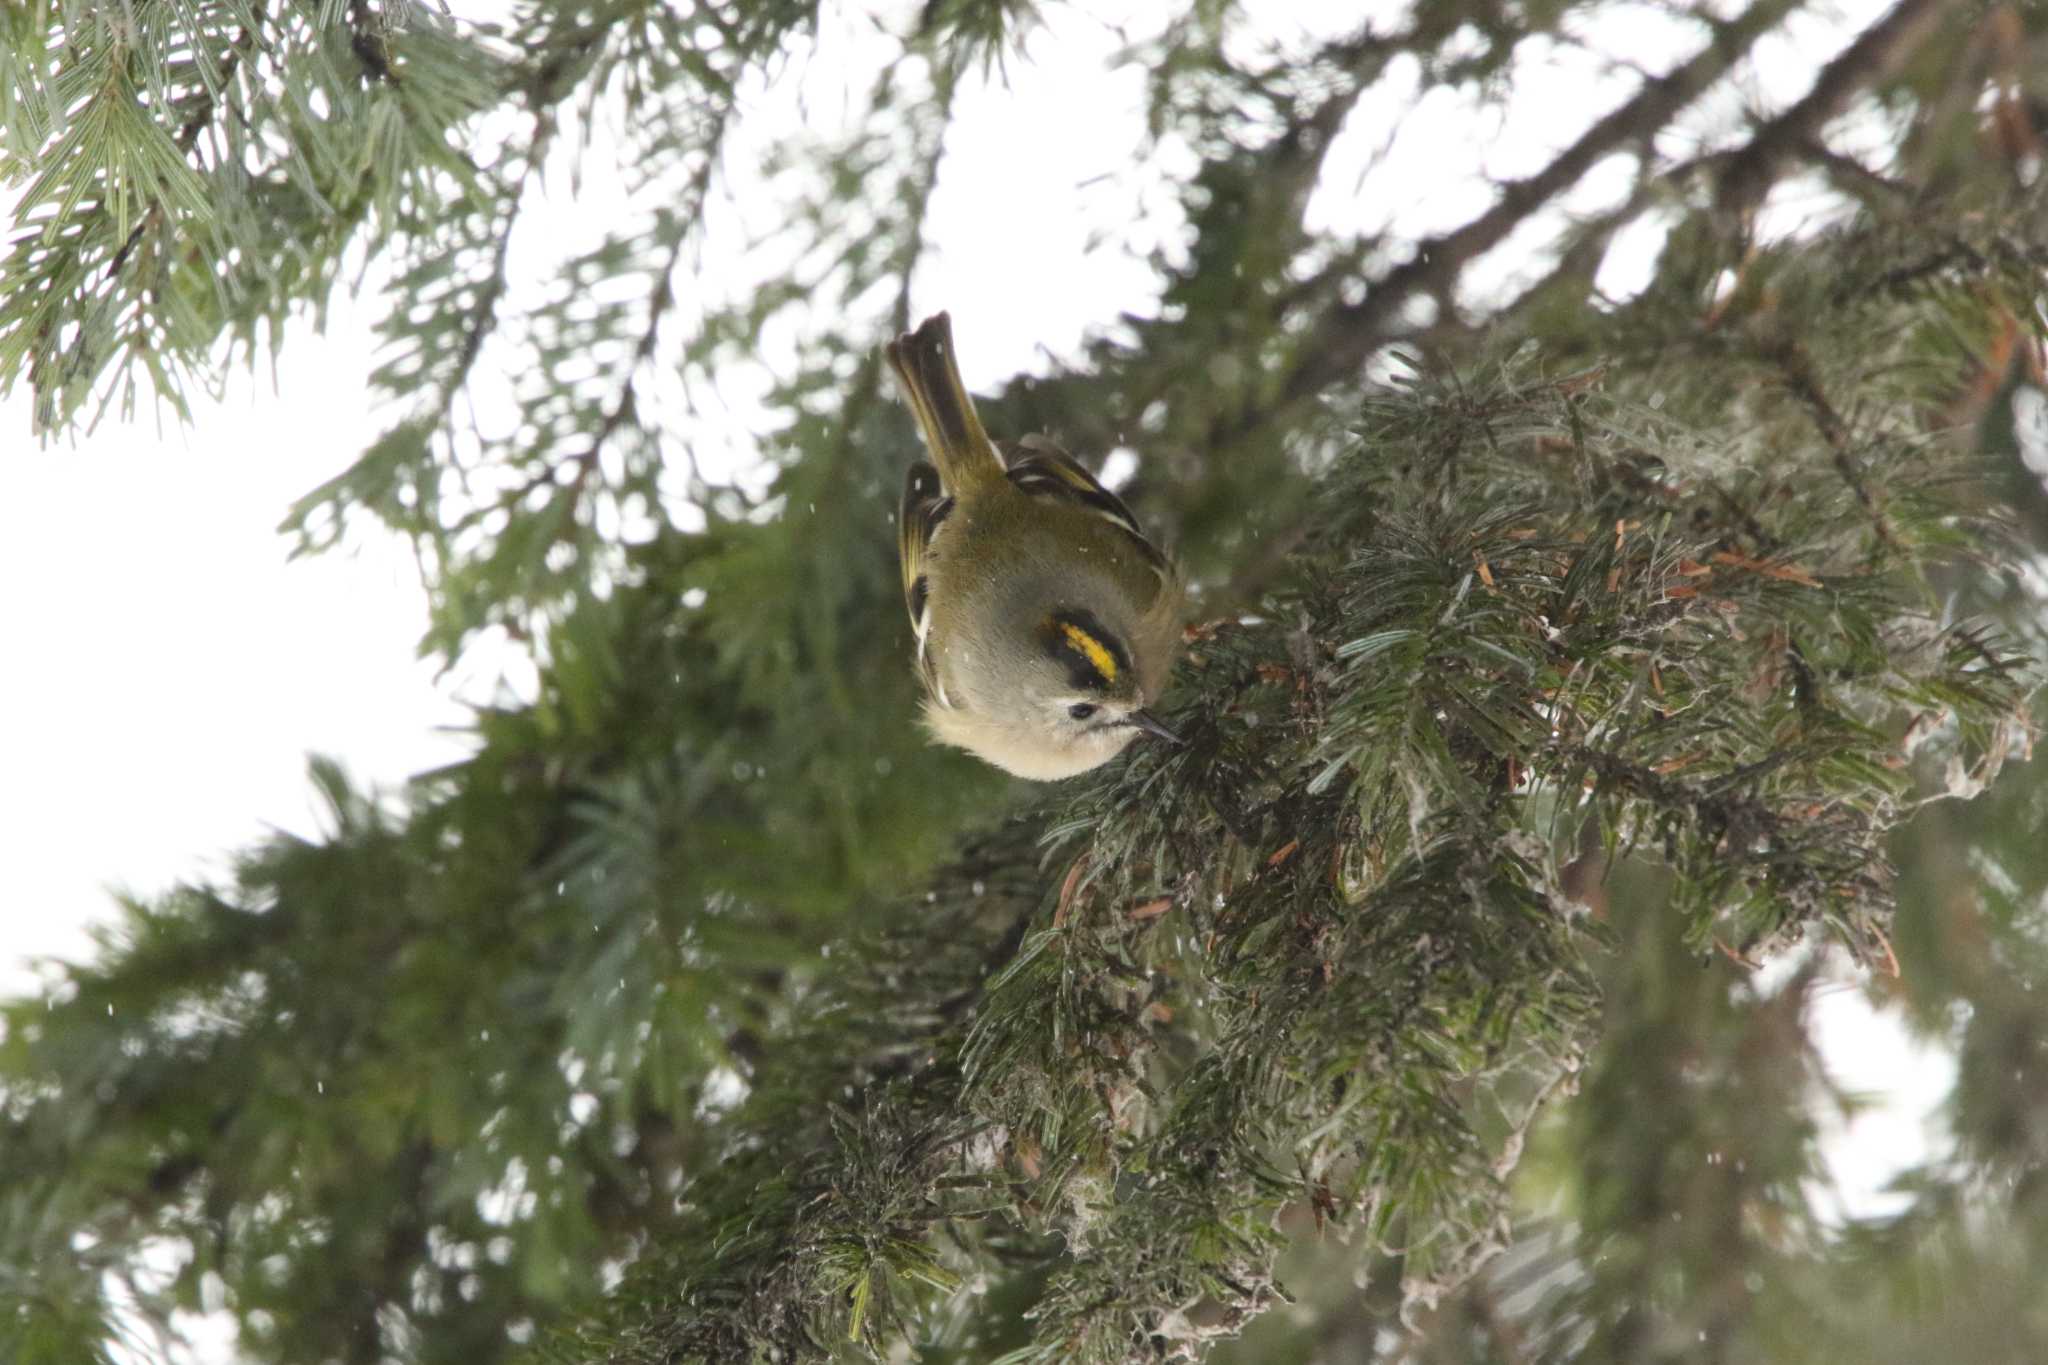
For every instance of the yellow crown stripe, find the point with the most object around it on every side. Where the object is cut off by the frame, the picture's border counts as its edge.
(1092, 649)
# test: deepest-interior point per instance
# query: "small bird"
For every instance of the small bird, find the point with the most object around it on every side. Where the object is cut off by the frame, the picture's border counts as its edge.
(1045, 620)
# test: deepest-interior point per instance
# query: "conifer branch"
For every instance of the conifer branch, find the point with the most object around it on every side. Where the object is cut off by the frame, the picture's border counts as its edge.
(187, 138)
(1328, 946)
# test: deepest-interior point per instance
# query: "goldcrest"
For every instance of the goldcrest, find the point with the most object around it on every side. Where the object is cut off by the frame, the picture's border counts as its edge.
(1046, 621)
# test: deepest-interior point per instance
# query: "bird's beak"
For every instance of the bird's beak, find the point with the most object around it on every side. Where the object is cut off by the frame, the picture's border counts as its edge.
(1149, 723)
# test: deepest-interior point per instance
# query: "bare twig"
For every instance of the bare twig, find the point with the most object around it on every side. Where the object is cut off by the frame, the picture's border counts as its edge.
(1856, 178)
(1797, 369)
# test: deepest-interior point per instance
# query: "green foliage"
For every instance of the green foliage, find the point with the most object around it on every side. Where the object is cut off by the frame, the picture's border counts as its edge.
(1561, 657)
(186, 190)
(1321, 955)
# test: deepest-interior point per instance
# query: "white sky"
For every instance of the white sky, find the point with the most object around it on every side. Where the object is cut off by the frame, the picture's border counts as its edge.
(169, 671)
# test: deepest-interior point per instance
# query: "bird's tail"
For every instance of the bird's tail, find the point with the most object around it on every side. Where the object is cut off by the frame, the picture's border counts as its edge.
(923, 361)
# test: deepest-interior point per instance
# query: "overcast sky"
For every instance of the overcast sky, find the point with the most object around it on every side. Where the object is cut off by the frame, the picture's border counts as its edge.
(167, 671)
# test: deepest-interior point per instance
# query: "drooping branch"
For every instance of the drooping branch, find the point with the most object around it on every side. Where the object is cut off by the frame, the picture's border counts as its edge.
(197, 122)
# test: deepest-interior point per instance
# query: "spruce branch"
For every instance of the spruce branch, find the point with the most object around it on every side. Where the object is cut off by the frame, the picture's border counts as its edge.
(196, 123)
(1210, 1022)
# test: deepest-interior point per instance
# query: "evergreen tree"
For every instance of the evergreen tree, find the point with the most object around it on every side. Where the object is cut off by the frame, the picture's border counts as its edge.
(1564, 652)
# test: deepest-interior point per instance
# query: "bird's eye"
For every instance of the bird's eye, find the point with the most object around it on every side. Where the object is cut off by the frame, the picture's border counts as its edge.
(1081, 710)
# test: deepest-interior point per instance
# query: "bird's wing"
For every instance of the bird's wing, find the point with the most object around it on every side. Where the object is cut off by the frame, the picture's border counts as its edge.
(1043, 470)
(925, 505)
